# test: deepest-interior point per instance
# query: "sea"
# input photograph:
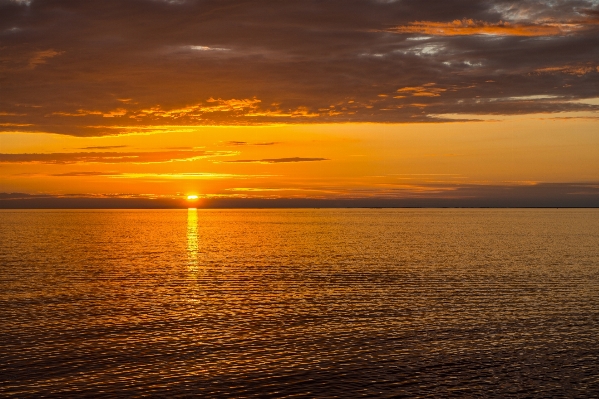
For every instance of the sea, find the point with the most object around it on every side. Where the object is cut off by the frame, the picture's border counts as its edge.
(299, 303)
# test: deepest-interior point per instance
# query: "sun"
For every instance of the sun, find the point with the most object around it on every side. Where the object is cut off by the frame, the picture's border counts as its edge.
(192, 197)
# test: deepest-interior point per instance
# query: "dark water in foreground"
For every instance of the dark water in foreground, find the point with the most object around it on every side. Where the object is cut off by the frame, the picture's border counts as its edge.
(299, 303)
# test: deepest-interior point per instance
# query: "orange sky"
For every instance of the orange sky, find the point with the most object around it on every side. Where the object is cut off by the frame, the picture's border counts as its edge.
(315, 161)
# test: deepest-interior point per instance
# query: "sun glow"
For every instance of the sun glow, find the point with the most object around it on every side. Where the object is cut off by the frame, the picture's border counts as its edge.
(193, 200)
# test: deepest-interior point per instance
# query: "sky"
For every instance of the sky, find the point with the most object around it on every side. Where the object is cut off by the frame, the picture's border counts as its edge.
(299, 103)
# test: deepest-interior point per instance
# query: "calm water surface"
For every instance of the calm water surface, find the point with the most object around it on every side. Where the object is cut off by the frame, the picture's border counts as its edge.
(299, 303)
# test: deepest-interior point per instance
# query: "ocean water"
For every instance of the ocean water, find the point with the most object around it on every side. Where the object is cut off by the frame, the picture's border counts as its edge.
(299, 303)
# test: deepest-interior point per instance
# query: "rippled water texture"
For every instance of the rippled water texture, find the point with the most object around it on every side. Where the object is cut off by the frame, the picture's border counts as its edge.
(299, 303)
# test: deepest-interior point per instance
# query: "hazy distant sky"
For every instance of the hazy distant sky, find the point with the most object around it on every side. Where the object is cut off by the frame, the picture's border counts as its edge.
(298, 99)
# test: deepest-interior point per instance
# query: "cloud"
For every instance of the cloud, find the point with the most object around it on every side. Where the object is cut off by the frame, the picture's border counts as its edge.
(427, 90)
(83, 174)
(109, 157)
(85, 112)
(467, 27)
(41, 57)
(104, 147)
(206, 48)
(234, 108)
(255, 189)
(278, 160)
(150, 65)
(578, 70)
(186, 176)
(197, 110)
(8, 124)
(152, 176)
(242, 143)
(22, 2)
(19, 196)
(432, 195)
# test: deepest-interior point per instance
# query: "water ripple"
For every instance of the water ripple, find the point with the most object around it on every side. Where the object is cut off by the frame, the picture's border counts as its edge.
(299, 303)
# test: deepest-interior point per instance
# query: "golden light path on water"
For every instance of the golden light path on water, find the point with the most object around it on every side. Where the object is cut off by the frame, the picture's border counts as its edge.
(192, 239)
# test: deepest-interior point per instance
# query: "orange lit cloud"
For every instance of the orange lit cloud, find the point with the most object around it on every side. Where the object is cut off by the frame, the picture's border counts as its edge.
(11, 114)
(465, 27)
(41, 57)
(578, 70)
(83, 174)
(151, 176)
(8, 124)
(80, 112)
(279, 160)
(109, 157)
(427, 90)
(85, 112)
(185, 176)
(196, 111)
(238, 107)
(242, 143)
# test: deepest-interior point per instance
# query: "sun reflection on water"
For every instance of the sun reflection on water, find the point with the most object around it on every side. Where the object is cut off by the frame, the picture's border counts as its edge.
(192, 239)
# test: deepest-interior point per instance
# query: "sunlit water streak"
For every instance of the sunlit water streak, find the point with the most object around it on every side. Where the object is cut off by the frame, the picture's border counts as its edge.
(299, 303)
(192, 239)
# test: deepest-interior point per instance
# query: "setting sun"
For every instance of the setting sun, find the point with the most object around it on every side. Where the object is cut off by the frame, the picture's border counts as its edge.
(192, 197)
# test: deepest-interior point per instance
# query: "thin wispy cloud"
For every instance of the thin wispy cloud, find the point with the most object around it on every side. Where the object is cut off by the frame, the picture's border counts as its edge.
(104, 147)
(207, 48)
(244, 143)
(467, 27)
(111, 157)
(42, 57)
(278, 160)
(84, 174)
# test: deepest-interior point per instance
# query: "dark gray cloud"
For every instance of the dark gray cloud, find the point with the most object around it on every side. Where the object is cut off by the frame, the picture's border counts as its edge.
(117, 66)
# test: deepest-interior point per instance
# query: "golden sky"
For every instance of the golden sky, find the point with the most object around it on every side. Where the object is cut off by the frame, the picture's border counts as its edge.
(376, 100)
